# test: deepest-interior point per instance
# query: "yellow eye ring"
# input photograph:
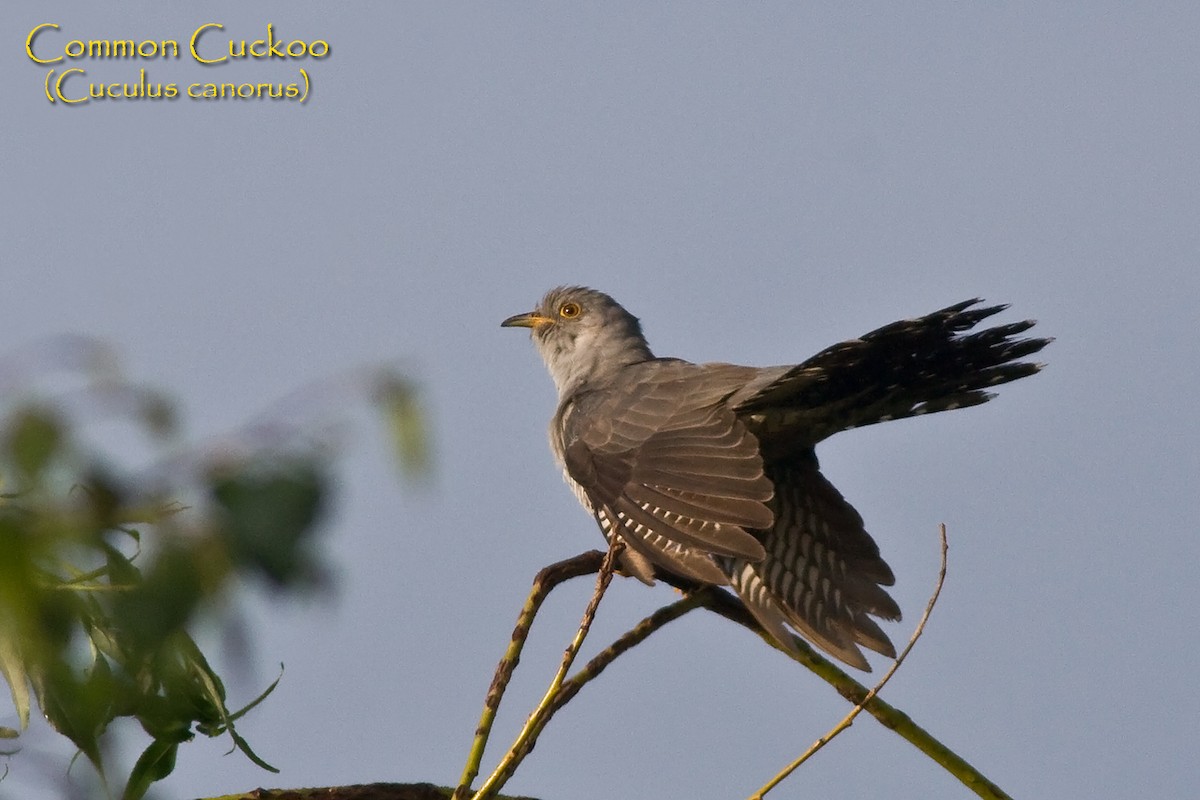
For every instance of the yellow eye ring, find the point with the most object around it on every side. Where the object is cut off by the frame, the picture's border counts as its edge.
(569, 310)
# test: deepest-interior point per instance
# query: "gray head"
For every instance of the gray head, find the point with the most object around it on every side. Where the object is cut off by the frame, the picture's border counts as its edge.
(584, 336)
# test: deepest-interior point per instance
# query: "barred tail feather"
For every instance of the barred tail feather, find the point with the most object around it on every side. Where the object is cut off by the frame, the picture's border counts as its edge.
(822, 574)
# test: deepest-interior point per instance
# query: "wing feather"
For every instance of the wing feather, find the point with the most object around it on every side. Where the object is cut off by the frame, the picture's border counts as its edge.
(681, 477)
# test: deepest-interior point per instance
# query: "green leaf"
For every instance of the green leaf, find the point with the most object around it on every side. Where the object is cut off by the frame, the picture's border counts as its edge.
(18, 612)
(158, 414)
(71, 710)
(13, 667)
(120, 568)
(216, 693)
(270, 515)
(156, 762)
(33, 438)
(405, 422)
(265, 694)
(162, 601)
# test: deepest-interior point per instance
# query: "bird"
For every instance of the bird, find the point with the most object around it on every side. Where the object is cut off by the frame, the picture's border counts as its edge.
(709, 471)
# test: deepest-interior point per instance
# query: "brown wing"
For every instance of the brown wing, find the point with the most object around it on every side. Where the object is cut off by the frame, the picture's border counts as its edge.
(670, 465)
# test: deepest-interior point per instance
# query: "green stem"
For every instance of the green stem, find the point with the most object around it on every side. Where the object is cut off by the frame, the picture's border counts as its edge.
(537, 720)
(732, 609)
(726, 605)
(848, 720)
(584, 564)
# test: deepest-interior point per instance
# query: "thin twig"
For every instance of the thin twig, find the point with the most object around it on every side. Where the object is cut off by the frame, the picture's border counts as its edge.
(634, 636)
(546, 580)
(524, 741)
(848, 720)
(728, 606)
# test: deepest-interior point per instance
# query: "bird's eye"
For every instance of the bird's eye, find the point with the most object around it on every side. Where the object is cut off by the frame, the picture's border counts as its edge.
(569, 310)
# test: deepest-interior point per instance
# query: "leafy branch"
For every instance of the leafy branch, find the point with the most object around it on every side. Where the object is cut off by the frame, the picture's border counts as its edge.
(104, 573)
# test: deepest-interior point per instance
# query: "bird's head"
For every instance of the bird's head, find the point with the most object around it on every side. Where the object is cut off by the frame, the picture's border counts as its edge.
(583, 335)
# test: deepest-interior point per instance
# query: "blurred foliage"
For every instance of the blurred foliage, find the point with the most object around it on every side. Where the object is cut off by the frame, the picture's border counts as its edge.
(396, 397)
(102, 574)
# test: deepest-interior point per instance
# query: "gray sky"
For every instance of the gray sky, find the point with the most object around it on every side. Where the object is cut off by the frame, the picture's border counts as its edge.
(755, 182)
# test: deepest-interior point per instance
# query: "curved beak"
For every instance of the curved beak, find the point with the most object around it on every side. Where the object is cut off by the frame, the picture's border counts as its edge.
(531, 319)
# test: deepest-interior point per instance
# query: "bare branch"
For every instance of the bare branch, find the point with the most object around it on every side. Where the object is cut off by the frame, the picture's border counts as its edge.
(545, 581)
(727, 605)
(526, 739)
(848, 720)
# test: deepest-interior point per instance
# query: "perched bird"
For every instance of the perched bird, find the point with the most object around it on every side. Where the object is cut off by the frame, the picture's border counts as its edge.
(709, 471)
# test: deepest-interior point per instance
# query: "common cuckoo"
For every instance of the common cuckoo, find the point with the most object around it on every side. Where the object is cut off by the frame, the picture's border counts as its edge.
(708, 471)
